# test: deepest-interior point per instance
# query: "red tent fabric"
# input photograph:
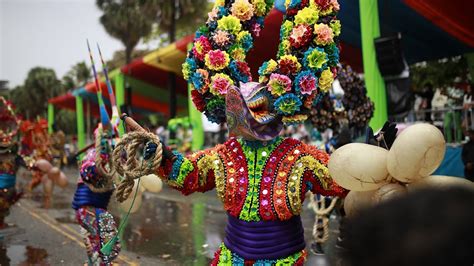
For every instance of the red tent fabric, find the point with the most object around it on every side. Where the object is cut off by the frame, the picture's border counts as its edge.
(454, 16)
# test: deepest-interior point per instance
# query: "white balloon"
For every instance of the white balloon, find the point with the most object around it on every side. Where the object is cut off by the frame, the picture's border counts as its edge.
(357, 200)
(416, 153)
(54, 174)
(137, 194)
(151, 183)
(440, 181)
(389, 191)
(62, 180)
(359, 167)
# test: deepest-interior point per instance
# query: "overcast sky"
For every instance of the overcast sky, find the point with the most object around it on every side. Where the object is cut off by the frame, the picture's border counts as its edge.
(49, 33)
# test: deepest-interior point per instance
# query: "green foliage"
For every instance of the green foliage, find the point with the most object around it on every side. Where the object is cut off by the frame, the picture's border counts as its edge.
(440, 73)
(77, 76)
(31, 98)
(127, 20)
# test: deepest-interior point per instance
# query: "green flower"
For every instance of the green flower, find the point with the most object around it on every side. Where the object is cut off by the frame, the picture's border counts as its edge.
(315, 58)
(307, 15)
(336, 27)
(230, 24)
(286, 29)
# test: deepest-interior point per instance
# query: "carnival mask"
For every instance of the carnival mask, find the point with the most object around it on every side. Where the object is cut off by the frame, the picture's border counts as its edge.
(250, 114)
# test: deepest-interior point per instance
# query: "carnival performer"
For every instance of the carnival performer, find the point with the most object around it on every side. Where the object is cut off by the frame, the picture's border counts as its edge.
(260, 177)
(10, 160)
(91, 199)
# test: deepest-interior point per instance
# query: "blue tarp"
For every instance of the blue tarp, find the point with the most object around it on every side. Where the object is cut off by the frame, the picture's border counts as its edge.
(452, 164)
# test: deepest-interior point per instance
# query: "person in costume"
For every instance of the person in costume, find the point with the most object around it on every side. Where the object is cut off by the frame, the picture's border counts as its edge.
(90, 202)
(10, 160)
(260, 177)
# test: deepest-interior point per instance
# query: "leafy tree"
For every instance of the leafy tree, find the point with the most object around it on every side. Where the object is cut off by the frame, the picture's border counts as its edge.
(440, 73)
(127, 21)
(78, 76)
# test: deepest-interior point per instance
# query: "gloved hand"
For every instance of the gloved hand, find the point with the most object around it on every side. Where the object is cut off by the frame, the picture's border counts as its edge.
(150, 150)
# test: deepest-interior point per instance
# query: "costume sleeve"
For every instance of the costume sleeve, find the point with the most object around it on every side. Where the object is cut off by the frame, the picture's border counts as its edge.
(316, 176)
(191, 173)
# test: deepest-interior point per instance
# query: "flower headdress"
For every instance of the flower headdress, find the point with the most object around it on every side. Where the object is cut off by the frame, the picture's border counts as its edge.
(303, 71)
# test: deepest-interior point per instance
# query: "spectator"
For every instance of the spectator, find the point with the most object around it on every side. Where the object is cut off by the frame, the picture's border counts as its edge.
(468, 156)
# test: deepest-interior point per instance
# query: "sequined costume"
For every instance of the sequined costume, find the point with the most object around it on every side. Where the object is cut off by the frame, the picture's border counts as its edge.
(96, 222)
(260, 184)
(9, 164)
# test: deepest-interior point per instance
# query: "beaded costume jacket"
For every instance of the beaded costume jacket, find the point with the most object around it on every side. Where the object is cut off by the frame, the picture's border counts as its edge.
(255, 180)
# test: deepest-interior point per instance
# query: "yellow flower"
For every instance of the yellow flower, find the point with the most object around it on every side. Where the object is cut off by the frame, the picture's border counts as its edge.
(336, 27)
(230, 24)
(242, 10)
(219, 3)
(284, 47)
(260, 8)
(238, 54)
(326, 79)
(307, 15)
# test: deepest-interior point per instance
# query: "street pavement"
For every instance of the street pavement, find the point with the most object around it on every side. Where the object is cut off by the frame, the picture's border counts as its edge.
(169, 229)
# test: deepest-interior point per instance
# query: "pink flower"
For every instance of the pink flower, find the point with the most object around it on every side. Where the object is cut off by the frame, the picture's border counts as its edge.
(201, 47)
(307, 84)
(211, 16)
(279, 84)
(256, 29)
(300, 36)
(324, 34)
(335, 5)
(221, 38)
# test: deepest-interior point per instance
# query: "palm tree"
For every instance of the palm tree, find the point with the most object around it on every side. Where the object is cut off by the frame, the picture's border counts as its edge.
(127, 21)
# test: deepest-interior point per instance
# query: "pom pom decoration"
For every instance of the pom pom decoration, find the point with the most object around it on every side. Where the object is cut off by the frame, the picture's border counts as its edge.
(302, 72)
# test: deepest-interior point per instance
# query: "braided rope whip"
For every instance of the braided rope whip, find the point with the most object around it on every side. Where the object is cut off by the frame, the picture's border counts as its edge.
(104, 164)
(321, 223)
(129, 162)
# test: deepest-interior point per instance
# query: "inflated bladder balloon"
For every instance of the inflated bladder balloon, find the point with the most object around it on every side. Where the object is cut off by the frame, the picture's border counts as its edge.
(359, 167)
(43, 165)
(151, 183)
(416, 153)
(357, 200)
(62, 180)
(440, 181)
(48, 186)
(389, 191)
(54, 173)
(137, 194)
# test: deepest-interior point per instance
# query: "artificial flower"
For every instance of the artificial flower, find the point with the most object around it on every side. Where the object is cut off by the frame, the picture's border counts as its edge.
(211, 16)
(219, 3)
(240, 71)
(200, 80)
(245, 40)
(201, 47)
(260, 7)
(230, 24)
(322, 4)
(306, 82)
(284, 48)
(255, 29)
(215, 110)
(324, 34)
(333, 54)
(315, 58)
(267, 67)
(292, 3)
(287, 104)
(335, 6)
(326, 80)
(220, 83)
(202, 31)
(289, 64)
(198, 100)
(307, 15)
(237, 53)
(221, 38)
(300, 36)
(189, 66)
(285, 30)
(242, 10)
(335, 26)
(310, 100)
(294, 119)
(217, 60)
(279, 84)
